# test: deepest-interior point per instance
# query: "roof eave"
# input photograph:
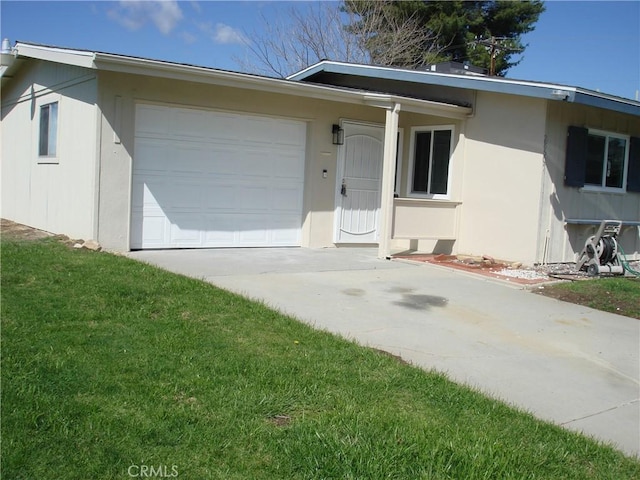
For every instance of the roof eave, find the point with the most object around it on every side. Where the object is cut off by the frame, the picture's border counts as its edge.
(608, 102)
(192, 73)
(79, 58)
(547, 91)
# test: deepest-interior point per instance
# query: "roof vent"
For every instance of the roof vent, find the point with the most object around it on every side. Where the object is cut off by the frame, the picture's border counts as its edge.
(456, 68)
(6, 46)
(560, 94)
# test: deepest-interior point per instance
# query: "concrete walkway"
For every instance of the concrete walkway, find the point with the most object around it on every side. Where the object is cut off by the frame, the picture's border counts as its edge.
(574, 366)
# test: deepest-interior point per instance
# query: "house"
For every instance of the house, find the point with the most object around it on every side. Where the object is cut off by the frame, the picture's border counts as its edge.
(141, 153)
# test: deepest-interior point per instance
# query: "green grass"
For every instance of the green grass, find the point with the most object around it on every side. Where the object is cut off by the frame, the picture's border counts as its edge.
(108, 364)
(619, 295)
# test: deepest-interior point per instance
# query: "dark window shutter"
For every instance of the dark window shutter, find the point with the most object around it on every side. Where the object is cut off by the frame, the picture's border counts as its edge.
(576, 160)
(633, 172)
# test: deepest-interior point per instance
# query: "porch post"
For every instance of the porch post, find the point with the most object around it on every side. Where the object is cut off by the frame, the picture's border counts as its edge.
(388, 180)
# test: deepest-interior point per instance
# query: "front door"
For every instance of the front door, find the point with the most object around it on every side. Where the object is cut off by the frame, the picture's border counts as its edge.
(359, 184)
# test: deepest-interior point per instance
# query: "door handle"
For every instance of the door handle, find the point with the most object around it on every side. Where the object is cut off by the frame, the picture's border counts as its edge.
(343, 189)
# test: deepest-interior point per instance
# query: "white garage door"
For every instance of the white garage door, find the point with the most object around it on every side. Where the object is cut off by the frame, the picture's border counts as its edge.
(211, 179)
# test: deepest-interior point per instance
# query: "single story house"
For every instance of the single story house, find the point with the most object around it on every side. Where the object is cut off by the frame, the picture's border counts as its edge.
(147, 154)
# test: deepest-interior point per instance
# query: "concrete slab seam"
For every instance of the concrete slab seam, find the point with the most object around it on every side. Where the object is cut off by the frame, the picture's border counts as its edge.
(625, 404)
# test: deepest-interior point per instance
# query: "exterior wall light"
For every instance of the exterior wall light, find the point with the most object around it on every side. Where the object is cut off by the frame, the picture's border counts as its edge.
(338, 134)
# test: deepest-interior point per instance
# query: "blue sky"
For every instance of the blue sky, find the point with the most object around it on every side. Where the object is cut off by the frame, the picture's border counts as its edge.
(591, 44)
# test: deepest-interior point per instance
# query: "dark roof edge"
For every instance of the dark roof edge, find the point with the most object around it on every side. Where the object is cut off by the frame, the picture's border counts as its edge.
(547, 91)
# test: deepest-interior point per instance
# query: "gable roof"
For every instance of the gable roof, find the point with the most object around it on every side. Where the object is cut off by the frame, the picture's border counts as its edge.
(398, 79)
(24, 51)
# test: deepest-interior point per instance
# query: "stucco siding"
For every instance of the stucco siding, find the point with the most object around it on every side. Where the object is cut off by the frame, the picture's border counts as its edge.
(55, 194)
(560, 241)
(502, 177)
(119, 94)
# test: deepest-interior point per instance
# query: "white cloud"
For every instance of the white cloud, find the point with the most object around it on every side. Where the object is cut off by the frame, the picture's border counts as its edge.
(223, 34)
(133, 14)
(227, 34)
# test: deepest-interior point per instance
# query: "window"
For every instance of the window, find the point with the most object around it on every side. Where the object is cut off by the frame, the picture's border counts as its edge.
(431, 155)
(48, 130)
(602, 160)
(606, 160)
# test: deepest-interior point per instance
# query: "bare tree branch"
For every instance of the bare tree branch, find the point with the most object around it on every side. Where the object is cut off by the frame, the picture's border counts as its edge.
(366, 33)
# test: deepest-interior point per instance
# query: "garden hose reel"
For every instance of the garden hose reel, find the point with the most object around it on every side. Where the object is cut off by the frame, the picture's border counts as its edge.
(601, 253)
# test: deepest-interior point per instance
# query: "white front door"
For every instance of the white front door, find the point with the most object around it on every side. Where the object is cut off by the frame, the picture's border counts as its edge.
(359, 184)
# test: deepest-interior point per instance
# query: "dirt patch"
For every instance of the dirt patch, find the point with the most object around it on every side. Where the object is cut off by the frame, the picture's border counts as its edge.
(398, 358)
(280, 420)
(16, 231)
(486, 266)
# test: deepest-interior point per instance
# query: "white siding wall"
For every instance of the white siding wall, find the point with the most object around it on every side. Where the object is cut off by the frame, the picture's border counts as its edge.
(55, 197)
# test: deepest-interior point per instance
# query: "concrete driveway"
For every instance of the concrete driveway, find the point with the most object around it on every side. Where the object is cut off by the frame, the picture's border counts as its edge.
(568, 364)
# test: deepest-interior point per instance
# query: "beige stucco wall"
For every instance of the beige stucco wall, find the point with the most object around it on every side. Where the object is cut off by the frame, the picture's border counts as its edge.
(501, 177)
(56, 197)
(116, 158)
(427, 221)
(558, 241)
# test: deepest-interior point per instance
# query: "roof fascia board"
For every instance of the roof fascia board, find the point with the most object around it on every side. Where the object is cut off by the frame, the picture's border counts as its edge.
(415, 105)
(274, 85)
(605, 101)
(310, 70)
(154, 68)
(515, 87)
(546, 91)
(66, 56)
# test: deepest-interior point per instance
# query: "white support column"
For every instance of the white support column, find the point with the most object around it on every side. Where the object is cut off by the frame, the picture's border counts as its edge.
(388, 180)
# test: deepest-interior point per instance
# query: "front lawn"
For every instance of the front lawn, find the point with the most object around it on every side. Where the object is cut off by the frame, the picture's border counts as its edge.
(113, 369)
(619, 295)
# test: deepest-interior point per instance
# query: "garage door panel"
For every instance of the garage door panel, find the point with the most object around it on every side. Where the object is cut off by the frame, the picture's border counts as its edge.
(210, 179)
(151, 156)
(144, 197)
(185, 230)
(183, 160)
(189, 124)
(289, 166)
(289, 134)
(254, 198)
(220, 231)
(258, 131)
(285, 230)
(153, 120)
(255, 163)
(222, 128)
(182, 195)
(221, 198)
(154, 233)
(286, 200)
(252, 231)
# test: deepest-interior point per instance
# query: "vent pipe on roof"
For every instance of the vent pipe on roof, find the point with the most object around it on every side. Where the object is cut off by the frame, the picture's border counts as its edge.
(7, 57)
(6, 46)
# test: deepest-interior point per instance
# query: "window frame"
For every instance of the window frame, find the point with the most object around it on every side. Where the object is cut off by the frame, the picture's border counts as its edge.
(48, 157)
(412, 151)
(590, 187)
(397, 187)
